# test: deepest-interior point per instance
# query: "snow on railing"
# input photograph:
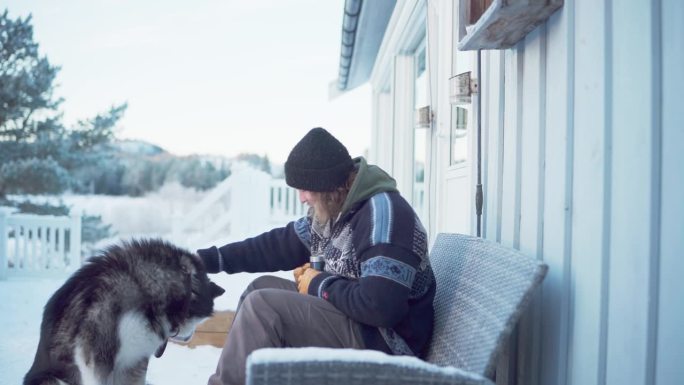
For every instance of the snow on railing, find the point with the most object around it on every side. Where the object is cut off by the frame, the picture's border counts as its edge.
(38, 244)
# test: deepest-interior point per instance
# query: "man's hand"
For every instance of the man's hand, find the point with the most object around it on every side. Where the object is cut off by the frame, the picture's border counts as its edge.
(300, 270)
(305, 279)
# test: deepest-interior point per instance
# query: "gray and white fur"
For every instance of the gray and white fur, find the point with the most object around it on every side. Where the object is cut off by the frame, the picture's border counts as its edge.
(122, 306)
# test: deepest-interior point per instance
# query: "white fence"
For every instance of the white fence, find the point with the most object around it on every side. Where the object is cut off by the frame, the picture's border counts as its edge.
(38, 244)
(284, 204)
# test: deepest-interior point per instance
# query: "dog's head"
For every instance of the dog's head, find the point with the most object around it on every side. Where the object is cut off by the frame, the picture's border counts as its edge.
(178, 276)
(202, 295)
(201, 307)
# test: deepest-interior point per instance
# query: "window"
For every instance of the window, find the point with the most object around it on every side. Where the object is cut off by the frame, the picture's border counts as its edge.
(458, 136)
(420, 132)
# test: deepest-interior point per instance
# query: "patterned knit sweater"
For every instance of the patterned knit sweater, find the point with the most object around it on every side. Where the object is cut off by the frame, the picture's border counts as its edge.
(377, 270)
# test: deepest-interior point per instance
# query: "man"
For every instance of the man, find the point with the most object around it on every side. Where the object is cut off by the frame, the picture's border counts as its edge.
(377, 287)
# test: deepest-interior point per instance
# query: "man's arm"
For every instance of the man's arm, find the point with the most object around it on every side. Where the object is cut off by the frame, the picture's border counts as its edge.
(282, 248)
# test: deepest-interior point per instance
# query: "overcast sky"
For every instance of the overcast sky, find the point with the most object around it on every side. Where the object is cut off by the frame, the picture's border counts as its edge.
(203, 76)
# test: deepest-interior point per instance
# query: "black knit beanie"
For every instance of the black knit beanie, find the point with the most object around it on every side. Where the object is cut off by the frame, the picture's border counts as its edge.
(319, 162)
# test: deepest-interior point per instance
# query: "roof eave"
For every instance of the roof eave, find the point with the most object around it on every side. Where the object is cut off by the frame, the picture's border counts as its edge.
(363, 28)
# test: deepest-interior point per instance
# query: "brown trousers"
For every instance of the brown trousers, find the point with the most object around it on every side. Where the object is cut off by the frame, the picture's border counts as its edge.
(272, 313)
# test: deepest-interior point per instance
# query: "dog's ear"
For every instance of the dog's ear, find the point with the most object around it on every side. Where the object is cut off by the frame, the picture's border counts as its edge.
(216, 290)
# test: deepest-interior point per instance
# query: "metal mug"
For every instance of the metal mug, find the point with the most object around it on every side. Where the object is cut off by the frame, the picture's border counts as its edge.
(317, 262)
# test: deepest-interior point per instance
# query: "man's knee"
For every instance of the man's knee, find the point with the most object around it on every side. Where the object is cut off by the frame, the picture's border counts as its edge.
(256, 300)
(269, 282)
(261, 282)
(272, 302)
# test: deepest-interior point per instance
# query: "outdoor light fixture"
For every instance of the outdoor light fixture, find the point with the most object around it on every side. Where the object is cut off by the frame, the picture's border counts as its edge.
(423, 117)
(461, 88)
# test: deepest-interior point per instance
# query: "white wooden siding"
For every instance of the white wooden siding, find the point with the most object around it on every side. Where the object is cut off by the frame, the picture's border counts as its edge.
(492, 126)
(557, 171)
(632, 193)
(510, 202)
(588, 195)
(582, 188)
(670, 343)
(583, 151)
(532, 131)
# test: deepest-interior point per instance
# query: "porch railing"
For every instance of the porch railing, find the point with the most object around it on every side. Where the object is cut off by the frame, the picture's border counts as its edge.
(39, 244)
(247, 203)
(284, 203)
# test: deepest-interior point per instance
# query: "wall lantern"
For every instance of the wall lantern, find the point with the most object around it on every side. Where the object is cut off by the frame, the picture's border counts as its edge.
(461, 88)
(423, 117)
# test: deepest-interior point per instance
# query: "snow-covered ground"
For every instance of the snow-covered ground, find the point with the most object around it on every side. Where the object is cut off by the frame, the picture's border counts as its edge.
(21, 311)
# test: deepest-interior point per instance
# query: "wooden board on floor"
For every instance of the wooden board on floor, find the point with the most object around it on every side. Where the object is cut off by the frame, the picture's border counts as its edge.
(213, 331)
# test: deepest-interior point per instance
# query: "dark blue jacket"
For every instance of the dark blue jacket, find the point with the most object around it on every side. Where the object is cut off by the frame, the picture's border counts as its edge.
(377, 270)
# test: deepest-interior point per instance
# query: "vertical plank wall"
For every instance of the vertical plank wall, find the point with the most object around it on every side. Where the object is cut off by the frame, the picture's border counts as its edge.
(670, 336)
(509, 149)
(532, 133)
(557, 171)
(588, 237)
(632, 192)
(510, 200)
(492, 125)
(583, 153)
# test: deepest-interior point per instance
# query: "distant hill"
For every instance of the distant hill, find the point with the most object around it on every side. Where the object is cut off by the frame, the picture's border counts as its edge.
(136, 167)
(137, 147)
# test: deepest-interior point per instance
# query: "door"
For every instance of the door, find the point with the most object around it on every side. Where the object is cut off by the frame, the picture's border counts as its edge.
(458, 154)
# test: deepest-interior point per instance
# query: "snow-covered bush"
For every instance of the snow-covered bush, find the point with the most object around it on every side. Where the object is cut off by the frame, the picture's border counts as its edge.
(33, 176)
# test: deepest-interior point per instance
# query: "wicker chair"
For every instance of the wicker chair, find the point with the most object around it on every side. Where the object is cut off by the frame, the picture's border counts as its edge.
(482, 288)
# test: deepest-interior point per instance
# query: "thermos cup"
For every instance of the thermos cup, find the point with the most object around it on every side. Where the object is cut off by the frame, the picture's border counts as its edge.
(317, 262)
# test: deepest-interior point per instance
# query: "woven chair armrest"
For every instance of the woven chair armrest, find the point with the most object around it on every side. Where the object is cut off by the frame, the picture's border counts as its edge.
(322, 366)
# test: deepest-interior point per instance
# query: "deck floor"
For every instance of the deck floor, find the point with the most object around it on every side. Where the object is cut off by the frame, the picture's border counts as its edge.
(213, 331)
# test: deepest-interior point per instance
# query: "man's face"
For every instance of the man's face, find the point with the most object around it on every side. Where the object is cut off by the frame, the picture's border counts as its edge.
(308, 197)
(313, 199)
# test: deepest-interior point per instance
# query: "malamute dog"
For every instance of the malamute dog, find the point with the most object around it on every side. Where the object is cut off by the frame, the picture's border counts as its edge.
(122, 306)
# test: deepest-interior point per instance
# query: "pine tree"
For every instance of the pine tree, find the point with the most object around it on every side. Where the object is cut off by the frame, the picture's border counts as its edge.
(30, 122)
(26, 82)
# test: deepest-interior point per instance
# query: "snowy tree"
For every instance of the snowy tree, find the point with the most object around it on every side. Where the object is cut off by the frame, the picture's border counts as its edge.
(256, 161)
(26, 82)
(33, 176)
(31, 129)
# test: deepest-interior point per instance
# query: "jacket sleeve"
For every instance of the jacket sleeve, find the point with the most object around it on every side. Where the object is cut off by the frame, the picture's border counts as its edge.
(383, 237)
(380, 297)
(282, 248)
